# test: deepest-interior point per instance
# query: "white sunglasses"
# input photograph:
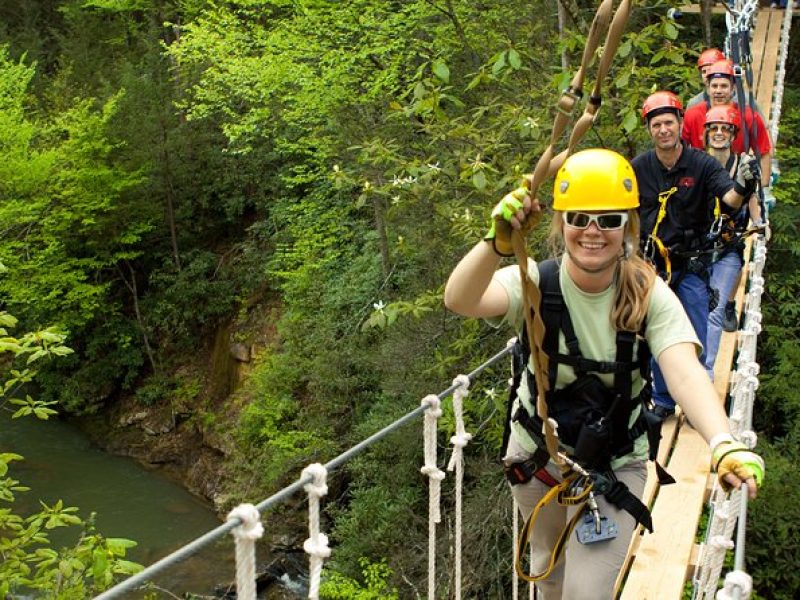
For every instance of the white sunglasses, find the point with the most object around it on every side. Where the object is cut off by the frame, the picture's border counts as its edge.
(604, 221)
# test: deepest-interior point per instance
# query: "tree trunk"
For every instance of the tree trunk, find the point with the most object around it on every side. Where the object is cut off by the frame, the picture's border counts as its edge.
(705, 9)
(131, 285)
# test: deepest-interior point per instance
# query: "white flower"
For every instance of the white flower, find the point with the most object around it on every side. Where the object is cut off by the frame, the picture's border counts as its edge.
(491, 393)
(379, 306)
(434, 167)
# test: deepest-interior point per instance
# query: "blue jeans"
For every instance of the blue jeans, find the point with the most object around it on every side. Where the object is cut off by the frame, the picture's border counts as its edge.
(692, 291)
(724, 276)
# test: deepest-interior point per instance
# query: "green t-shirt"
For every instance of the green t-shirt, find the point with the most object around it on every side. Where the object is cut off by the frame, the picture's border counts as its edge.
(667, 325)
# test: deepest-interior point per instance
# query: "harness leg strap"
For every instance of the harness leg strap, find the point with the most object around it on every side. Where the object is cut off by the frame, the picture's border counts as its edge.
(620, 496)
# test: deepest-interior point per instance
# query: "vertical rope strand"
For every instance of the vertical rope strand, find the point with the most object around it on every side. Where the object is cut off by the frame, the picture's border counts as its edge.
(245, 536)
(316, 546)
(459, 441)
(435, 476)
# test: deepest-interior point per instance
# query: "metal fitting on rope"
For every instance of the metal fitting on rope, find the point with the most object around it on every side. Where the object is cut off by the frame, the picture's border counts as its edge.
(569, 101)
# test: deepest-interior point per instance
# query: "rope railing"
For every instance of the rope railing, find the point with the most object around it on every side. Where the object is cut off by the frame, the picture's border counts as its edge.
(143, 577)
(726, 510)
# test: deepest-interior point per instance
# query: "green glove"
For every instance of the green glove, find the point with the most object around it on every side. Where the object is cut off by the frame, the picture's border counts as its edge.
(500, 230)
(733, 457)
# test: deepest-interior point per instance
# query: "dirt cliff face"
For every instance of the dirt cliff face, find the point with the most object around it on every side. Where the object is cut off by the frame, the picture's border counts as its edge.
(185, 429)
(157, 438)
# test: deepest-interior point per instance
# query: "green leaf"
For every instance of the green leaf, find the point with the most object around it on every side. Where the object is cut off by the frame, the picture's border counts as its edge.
(118, 546)
(479, 180)
(499, 64)
(441, 70)
(630, 122)
(126, 567)
(670, 30)
(514, 60)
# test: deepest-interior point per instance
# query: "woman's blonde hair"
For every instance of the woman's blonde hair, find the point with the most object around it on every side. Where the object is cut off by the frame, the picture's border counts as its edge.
(633, 278)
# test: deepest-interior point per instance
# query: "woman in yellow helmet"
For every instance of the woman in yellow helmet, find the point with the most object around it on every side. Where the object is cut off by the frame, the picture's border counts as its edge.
(607, 289)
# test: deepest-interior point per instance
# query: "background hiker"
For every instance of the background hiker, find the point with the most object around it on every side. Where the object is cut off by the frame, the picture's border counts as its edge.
(678, 188)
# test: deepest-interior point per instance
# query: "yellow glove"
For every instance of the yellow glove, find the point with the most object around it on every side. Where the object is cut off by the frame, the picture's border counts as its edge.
(500, 231)
(733, 457)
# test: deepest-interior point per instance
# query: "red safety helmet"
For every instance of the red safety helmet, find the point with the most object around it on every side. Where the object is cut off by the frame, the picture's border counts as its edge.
(721, 68)
(709, 57)
(659, 102)
(726, 114)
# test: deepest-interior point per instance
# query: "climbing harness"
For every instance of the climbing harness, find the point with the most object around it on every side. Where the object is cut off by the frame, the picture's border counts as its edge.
(654, 242)
(589, 417)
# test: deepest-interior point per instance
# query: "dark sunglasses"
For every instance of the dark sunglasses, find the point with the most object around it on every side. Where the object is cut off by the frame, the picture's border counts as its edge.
(718, 127)
(604, 221)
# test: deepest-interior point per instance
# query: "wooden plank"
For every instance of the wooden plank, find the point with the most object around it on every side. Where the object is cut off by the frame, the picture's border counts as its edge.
(662, 558)
(769, 64)
(694, 9)
(669, 433)
(757, 43)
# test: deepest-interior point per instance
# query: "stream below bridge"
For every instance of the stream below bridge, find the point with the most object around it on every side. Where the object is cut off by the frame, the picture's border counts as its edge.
(129, 500)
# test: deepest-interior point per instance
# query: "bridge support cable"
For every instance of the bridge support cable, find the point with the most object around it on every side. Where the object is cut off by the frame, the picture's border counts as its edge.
(143, 577)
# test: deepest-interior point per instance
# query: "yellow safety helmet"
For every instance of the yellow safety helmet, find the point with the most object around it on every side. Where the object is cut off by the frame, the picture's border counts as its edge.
(595, 179)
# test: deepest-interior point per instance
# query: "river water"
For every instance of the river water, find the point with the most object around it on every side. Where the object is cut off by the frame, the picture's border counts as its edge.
(130, 501)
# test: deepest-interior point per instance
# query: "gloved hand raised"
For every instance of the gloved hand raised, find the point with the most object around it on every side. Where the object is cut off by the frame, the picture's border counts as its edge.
(733, 461)
(516, 210)
(746, 175)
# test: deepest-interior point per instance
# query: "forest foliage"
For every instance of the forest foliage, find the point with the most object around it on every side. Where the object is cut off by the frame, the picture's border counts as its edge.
(168, 168)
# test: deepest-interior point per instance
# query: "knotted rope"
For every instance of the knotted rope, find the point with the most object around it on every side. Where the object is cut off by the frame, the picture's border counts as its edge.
(435, 476)
(316, 546)
(459, 441)
(246, 535)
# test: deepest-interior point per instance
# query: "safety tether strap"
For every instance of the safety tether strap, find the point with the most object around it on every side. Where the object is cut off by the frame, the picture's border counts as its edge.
(559, 493)
(548, 164)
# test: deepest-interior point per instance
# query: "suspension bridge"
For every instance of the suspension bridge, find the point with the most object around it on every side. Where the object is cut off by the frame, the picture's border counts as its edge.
(658, 565)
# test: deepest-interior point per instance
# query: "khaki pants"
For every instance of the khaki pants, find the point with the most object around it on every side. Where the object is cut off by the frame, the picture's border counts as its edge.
(585, 571)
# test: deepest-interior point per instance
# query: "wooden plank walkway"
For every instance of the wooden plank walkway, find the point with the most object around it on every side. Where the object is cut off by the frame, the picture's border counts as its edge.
(660, 563)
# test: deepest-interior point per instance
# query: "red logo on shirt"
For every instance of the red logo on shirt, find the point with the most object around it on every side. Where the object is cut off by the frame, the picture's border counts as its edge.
(686, 182)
